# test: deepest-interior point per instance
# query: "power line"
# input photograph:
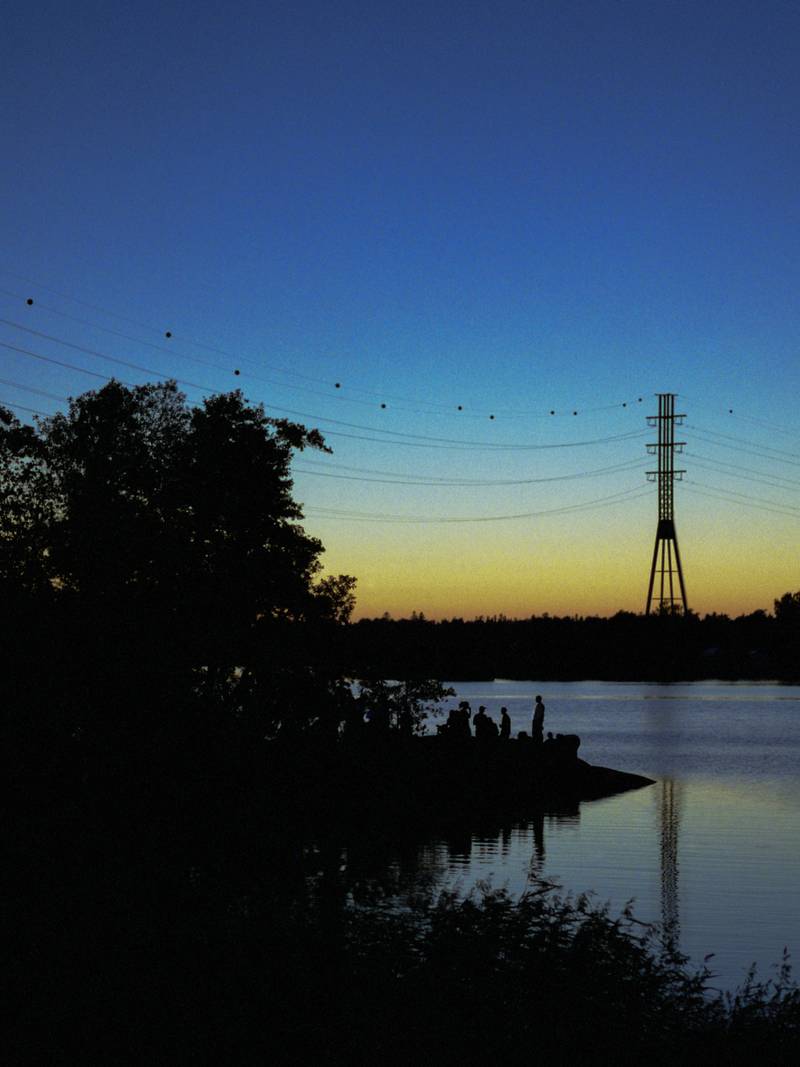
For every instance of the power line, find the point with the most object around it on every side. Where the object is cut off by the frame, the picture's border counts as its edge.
(68, 366)
(422, 440)
(456, 410)
(777, 455)
(635, 493)
(473, 482)
(97, 354)
(395, 477)
(75, 299)
(745, 502)
(746, 496)
(744, 450)
(162, 348)
(748, 444)
(175, 353)
(58, 362)
(206, 363)
(771, 426)
(775, 481)
(32, 389)
(627, 494)
(730, 412)
(22, 407)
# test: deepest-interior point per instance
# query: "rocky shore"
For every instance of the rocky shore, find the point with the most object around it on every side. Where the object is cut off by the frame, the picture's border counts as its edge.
(425, 777)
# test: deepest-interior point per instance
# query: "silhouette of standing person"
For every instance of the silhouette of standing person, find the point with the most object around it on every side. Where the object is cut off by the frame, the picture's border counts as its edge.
(465, 713)
(537, 727)
(505, 725)
(479, 721)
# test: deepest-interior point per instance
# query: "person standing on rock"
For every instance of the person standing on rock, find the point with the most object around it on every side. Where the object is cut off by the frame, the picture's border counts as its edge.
(537, 728)
(505, 725)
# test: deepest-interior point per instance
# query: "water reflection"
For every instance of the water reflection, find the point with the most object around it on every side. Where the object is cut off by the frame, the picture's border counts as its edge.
(537, 859)
(670, 805)
(393, 867)
(396, 867)
(712, 851)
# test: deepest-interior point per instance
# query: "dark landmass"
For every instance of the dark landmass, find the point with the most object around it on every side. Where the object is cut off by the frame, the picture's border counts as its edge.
(428, 782)
(191, 909)
(625, 647)
(202, 830)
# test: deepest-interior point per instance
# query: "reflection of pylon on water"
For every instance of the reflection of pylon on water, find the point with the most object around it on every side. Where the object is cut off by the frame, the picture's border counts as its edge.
(670, 812)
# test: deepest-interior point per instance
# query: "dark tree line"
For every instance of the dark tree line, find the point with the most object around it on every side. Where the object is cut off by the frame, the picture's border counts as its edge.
(623, 647)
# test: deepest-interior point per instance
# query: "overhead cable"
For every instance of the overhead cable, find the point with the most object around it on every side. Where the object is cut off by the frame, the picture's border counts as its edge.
(731, 412)
(739, 441)
(395, 436)
(635, 493)
(691, 487)
(747, 474)
(441, 408)
(472, 482)
(755, 452)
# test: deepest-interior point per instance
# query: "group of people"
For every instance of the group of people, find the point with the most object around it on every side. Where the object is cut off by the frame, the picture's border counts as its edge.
(461, 722)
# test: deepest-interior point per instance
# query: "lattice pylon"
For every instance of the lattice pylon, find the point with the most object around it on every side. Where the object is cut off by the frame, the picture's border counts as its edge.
(666, 567)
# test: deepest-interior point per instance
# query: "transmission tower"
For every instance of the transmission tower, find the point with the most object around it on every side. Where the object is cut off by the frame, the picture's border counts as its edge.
(666, 557)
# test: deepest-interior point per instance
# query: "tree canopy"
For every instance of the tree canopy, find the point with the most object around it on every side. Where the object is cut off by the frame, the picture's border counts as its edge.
(163, 544)
(787, 610)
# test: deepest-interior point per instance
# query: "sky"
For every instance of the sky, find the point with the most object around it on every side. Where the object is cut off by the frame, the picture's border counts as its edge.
(423, 228)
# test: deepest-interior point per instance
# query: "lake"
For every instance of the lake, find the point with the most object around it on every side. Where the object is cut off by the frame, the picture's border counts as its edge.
(713, 848)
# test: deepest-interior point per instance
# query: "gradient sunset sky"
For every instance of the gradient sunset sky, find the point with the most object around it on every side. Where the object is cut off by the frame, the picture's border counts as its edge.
(397, 221)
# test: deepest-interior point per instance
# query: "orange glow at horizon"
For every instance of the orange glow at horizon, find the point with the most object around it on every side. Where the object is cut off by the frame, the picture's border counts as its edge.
(733, 563)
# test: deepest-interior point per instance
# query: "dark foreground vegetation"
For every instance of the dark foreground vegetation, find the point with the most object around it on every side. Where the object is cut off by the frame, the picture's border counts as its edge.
(201, 831)
(196, 906)
(184, 922)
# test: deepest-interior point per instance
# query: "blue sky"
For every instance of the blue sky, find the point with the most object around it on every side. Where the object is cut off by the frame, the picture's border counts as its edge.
(518, 208)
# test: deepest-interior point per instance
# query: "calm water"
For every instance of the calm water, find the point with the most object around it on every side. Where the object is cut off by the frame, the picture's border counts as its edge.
(713, 847)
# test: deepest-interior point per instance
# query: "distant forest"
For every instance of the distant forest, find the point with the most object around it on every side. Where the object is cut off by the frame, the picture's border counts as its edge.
(623, 647)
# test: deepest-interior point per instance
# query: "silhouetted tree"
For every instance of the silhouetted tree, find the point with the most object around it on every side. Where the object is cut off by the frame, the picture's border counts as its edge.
(403, 706)
(787, 609)
(25, 507)
(168, 539)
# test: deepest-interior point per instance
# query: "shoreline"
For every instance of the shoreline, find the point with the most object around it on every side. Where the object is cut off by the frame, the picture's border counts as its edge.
(430, 778)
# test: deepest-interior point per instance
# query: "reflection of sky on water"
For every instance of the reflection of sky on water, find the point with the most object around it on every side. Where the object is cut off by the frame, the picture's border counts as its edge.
(731, 889)
(707, 729)
(715, 844)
